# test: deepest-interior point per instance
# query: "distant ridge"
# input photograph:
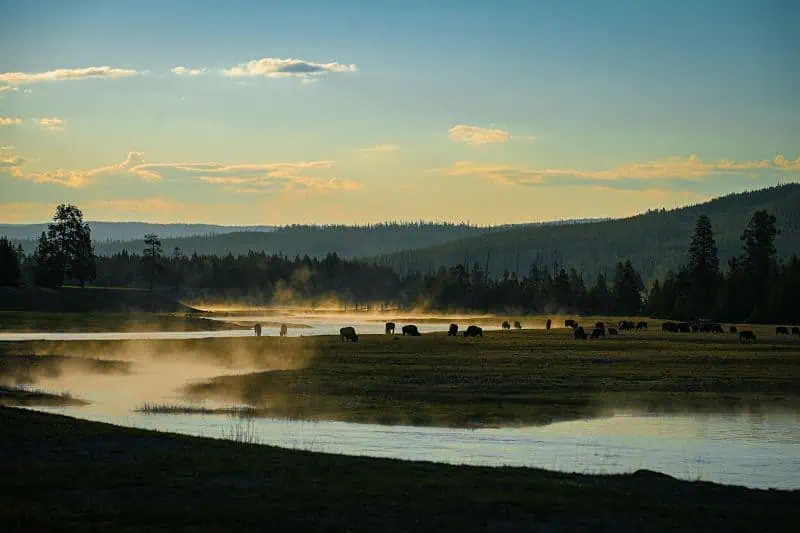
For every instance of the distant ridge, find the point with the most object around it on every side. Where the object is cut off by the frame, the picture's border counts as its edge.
(655, 241)
(126, 231)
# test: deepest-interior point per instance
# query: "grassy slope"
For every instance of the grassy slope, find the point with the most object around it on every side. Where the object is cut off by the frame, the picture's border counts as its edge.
(86, 300)
(63, 474)
(654, 241)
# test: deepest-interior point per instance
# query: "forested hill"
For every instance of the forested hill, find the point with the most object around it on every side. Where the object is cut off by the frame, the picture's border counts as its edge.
(314, 241)
(654, 241)
(125, 231)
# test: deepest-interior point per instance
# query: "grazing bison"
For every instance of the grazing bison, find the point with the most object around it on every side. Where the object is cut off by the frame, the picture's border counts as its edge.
(684, 327)
(411, 330)
(453, 331)
(506, 325)
(570, 324)
(473, 331)
(671, 327)
(284, 330)
(796, 331)
(716, 328)
(626, 324)
(547, 324)
(695, 328)
(257, 329)
(348, 333)
(517, 324)
(579, 333)
(390, 328)
(641, 325)
(747, 335)
(733, 329)
(600, 325)
(781, 330)
(613, 331)
(597, 333)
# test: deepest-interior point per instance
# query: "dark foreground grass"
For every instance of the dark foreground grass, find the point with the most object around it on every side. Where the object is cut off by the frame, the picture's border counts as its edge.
(62, 474)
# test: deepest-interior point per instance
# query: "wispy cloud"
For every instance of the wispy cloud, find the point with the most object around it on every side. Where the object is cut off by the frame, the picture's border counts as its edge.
(250, 177)
(679, 168)
(269, 67)
(380, 149)
(52, 124)
(7, 89)
(184, 71)
(10, 121)
(65, 74)
(475, 135)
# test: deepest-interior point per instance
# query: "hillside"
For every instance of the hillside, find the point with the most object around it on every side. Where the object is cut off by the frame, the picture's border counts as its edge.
(90, 299)
(126, 231)
(654, 241)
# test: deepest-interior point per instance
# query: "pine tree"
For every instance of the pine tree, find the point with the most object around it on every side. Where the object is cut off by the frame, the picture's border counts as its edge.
(703, 269)
(152, 254)
(9, 263)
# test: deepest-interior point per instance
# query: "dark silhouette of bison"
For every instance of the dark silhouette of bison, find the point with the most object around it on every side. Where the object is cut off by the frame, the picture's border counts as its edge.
(600, 325)
(284, 330)
(547, 324)
(473, 331)
(597, 333)
(625, 325)
(796, 331)
(257, 329)
(613, 331)
(453, 331)
(684, 327)
(517, 324)
(348, 333)
(695, 328)
(733, 329)
(506, 325)
(411, 330)
(747, 335)
(781, 330)
(641, 325)
(570, 324)
(390, 328)
(579, 333)
(670, 327)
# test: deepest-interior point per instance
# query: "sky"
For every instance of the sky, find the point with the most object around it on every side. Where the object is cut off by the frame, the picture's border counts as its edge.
(259, 112)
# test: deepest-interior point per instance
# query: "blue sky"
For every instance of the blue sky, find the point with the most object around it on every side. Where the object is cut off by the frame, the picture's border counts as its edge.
(484, 111)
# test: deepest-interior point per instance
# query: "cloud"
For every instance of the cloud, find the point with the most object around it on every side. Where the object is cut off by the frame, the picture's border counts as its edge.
(52, 124)
(381, 149)
(475, 135)
(250, 177)
(184, 71)
(689, 168)
(269, 67)
(7, 89)
(10, 121)
(63, 74)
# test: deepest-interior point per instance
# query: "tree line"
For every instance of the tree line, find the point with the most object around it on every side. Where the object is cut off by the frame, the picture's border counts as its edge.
(755, 286)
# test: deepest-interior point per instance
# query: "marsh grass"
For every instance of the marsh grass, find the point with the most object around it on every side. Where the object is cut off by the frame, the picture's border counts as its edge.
(24, 395)
(151, 408)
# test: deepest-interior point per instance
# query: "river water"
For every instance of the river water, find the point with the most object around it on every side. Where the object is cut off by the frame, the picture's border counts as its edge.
(755, 449)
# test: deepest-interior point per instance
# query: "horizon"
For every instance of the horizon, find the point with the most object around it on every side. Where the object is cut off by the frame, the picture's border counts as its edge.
(351, 112)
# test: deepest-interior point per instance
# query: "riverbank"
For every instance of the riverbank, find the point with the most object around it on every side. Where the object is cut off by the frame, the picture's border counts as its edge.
(70, 475)
(98, 322)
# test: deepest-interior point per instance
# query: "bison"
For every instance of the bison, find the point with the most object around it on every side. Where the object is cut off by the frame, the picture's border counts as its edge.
(613, 331)
(547, 324)
(284, 330)
(671, 327)
(733, 329)
(506, 325)
(453, 331)
(257, 329)
(473, 331)
(747, 335)
(641, 325)
(716, 328)
(517, 324)
(579, 333)
(411, 330)
(684, 327)
(348, 333)
(796, 331)
(570, 324)
(390, 328)
(626, 324)
(597, 333)
(781, 330)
